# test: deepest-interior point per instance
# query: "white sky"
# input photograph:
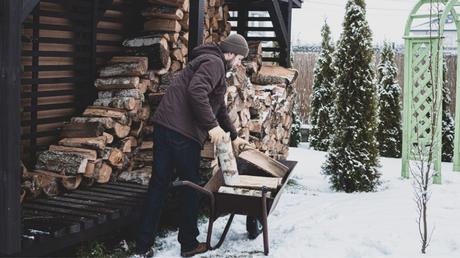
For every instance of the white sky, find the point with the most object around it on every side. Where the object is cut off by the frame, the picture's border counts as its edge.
(386, 19)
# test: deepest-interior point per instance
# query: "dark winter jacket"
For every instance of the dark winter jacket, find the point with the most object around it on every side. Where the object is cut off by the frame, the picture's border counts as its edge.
(194, 102)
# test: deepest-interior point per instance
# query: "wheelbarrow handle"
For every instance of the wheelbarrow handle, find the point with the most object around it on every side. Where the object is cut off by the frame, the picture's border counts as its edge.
(195, 187)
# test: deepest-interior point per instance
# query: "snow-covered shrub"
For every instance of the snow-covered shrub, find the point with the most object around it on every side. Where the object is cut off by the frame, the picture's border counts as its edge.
(352, 160)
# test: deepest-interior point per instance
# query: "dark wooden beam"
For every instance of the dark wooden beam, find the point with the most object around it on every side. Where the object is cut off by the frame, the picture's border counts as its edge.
(243, 18)
(196, 23)
(287, 14)
(280, 30)
(27, 7)
(10, 55)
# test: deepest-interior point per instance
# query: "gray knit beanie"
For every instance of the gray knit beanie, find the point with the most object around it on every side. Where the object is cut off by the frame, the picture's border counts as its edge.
(235, 43)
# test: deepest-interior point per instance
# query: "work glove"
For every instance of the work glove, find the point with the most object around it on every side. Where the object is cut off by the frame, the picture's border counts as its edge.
(217, 134)
(240, 145)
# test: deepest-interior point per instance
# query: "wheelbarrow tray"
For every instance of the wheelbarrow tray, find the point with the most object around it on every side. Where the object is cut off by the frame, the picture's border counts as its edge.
(255, 207)
(227, 203)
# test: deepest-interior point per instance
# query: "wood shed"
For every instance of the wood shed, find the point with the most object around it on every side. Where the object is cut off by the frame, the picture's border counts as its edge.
(82, 77)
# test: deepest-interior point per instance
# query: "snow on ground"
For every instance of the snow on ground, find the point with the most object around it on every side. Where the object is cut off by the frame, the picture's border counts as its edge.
(313, 221)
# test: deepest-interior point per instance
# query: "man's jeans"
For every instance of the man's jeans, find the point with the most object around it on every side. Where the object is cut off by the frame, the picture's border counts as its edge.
(172, 151)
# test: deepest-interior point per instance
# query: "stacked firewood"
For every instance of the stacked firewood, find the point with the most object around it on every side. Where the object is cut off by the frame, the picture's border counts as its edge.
(106, 139)
(259, 102)
(216, 24)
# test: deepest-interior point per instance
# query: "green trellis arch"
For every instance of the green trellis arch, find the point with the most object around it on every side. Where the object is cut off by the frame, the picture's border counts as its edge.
(421, 53)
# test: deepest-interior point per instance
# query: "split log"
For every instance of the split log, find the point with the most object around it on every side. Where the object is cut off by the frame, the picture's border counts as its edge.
(97, 143)
(175, 66)
(87, 153)
(242, 191)
(121, 131)
(97, 111)
(165, 69)
(144, 85)
(129, 93)
(227, 161)
(91, 167)
(258, 182)
(130, 59)
(117, 83)
(159, 24)
(157, 54)
(162, 11)
(62, 162)
(151, 41)
(75, 130)
(177, 55)
(253, 62)
(175, 3)
(102, 173)
(136, 129)
(275, 75)
(126, 144)
(128, 103)
(185, 22)
(146, 145)
(31, 185)
(107, 122)
(113, 156)
(71, 183)
(141, 176)
(123, 69)
(109, 137)
(184, 38)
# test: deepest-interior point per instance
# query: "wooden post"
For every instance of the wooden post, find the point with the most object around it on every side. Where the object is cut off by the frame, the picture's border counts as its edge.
(10, 53)
(287, 13)
(243, 18)
(196, 23)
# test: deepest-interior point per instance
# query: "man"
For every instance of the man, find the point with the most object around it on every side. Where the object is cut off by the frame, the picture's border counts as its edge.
(192, 110)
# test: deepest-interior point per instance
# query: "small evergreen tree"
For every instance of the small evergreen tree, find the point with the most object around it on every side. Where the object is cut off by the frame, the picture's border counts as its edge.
(296, 135)
(352, 160)
(322, 100)
(447, 121)
(389, 131)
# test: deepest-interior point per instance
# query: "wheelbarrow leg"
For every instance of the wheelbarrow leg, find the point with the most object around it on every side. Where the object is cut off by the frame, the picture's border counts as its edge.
(264, 220)
(222, 237)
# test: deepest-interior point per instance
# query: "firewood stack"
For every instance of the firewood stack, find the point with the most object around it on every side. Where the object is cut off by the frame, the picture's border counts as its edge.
(216, 24)
(106, 139)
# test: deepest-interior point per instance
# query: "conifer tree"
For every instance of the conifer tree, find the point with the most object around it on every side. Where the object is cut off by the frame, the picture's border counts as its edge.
(352, 160)
(447, 121)
(322, 101)
(389, 131)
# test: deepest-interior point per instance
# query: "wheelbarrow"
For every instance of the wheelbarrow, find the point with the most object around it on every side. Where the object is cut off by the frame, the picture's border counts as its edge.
(256, 208)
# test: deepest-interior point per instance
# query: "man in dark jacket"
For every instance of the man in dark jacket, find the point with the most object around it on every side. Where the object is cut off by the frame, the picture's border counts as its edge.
(192, 110)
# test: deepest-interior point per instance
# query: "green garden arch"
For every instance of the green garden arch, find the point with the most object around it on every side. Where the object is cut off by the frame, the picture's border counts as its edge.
(420, 82)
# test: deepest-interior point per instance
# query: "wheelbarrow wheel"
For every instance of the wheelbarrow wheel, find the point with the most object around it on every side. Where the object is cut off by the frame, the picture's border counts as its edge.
(253, 226)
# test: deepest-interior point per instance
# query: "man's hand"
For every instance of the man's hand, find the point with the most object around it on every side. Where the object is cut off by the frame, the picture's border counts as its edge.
(217, 134)
(239, 144)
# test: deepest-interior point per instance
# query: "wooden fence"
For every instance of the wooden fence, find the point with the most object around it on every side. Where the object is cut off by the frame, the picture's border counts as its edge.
(305, 64)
